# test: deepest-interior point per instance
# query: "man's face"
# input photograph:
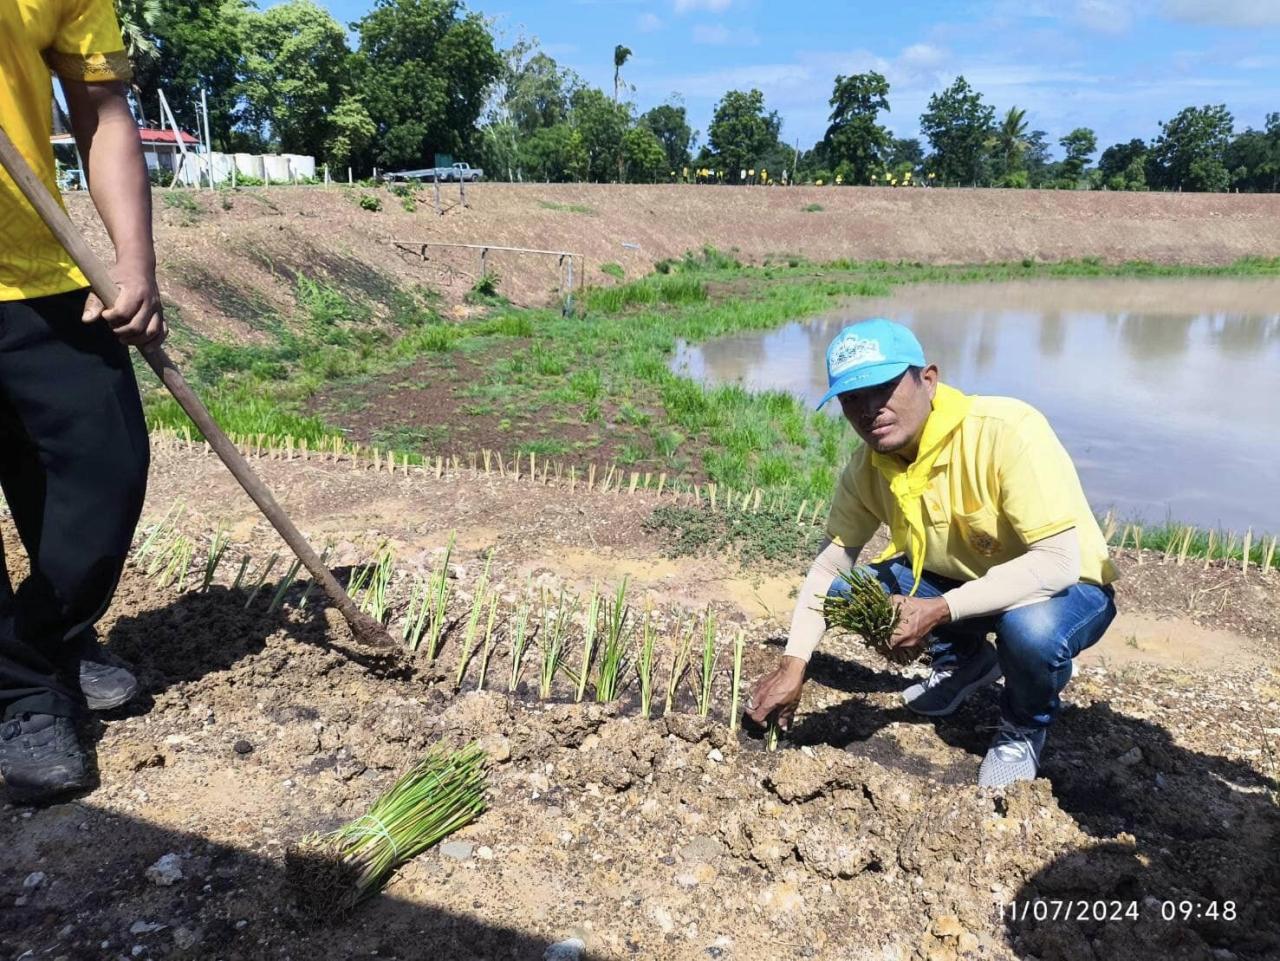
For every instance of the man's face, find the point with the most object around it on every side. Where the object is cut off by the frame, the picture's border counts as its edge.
(890, 416)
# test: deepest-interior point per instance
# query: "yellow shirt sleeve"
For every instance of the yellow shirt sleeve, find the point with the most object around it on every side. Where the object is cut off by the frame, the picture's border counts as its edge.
(850, 523)
(88, 45)
(1039, 486)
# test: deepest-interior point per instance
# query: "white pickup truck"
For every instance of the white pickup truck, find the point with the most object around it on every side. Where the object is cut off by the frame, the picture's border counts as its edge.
(457, 173)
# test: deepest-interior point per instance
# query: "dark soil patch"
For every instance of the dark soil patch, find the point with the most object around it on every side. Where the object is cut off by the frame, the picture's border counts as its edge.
(449, 405)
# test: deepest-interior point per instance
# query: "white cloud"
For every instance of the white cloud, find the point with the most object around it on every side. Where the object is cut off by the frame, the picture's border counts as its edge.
(1105, 16)
(648, 22)
(1225, 13)
(719, 35)
(714, 6)
(922, 55)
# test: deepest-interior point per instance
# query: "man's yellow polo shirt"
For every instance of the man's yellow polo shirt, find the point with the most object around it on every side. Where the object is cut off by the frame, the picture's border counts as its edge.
(80, 40)
(1002, 481)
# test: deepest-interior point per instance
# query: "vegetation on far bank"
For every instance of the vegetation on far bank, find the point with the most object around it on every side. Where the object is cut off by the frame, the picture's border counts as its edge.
(602, 371)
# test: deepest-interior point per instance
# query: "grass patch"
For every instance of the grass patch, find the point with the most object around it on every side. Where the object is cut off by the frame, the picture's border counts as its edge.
(648, 291)
(767, 536)
(182, 202)
(813, 208)
(566, 208)
(613, 270)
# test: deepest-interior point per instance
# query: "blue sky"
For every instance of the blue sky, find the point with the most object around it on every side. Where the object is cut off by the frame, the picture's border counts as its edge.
(1119, 66)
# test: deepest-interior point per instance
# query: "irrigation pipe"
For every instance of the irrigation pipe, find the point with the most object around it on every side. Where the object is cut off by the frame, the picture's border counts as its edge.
(365, 628)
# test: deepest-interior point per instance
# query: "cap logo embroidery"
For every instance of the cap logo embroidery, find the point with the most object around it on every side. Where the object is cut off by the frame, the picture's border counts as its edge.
(852, 352)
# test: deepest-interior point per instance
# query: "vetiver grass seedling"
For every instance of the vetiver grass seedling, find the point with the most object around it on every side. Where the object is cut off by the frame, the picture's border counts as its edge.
(772, 732)
(330, 874)
(708, 664)
(739, 643)
(244, 567)
(439, 601)
(290, 576)
(679, 663)
(868, 612)
(473, 622)
(306, 591)
(375, 581)
(551, 642)
(262, 578)
(487, 650)
(644, 664)
(177, 556)
(613, 655)
(519, 642)
(590, 625)
(217, 548)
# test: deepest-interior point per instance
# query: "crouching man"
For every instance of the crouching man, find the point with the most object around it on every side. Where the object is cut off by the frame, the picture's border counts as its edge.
(991, 534)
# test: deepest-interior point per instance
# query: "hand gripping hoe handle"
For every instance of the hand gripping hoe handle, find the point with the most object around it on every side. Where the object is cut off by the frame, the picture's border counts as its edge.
(364, 627)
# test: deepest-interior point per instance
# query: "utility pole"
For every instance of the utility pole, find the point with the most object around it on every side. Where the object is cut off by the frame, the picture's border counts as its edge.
(208, 137)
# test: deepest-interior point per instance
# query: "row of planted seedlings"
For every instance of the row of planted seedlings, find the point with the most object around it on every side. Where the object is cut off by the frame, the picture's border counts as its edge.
(558, 644)
(1170, 542)
(552, 643)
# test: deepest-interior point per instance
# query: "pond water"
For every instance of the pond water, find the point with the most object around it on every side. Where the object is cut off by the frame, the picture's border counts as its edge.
(1166, 392)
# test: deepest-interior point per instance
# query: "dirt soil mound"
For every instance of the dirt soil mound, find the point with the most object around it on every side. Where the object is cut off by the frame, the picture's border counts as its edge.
(1154, 832)
(229, 260)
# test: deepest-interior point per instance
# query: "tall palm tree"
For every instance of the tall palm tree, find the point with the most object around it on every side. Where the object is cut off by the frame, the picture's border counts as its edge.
(620, 56)
(1011, 138)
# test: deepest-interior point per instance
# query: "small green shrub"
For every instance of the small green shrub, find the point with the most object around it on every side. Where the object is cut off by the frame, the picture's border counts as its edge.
(766, 536)
(613, 270)
(813, 208)
(370, 202)
(486, 286)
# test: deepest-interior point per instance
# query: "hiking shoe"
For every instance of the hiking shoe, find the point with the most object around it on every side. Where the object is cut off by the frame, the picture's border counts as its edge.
(104, 681)
(945, 689)
(1014, 755)
(41, 757)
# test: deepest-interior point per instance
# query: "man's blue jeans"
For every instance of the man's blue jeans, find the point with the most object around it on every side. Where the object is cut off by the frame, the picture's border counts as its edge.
(1035, 643)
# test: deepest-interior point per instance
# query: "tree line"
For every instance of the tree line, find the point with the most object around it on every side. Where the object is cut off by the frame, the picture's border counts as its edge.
(428, 77)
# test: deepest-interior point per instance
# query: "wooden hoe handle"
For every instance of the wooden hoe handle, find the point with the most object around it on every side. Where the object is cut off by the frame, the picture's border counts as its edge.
(51, 212)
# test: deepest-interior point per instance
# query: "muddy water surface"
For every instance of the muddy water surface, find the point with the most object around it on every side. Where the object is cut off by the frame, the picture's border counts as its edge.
(1166, 392)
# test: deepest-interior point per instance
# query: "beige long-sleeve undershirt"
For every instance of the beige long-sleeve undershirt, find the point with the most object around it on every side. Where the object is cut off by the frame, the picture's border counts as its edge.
(1048, 566)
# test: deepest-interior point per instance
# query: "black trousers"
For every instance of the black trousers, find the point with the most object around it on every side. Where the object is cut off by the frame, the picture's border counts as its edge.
(73, 466)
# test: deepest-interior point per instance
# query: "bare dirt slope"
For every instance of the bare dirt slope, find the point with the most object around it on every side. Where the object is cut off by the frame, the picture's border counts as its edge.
(229, 259)
(673, 838)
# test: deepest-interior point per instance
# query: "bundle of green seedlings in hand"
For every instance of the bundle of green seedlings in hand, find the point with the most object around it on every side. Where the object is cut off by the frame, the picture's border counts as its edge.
(866, 610)
(332, 873)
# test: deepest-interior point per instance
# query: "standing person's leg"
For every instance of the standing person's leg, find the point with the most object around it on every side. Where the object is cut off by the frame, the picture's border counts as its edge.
(961, 659)
(1036, 645)
(73, 469)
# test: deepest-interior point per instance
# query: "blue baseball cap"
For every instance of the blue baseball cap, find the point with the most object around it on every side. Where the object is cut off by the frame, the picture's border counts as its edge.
(868, 353)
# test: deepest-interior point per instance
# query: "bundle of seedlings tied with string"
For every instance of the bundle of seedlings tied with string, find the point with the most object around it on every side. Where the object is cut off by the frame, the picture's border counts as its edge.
(866, 610)
(332, 873)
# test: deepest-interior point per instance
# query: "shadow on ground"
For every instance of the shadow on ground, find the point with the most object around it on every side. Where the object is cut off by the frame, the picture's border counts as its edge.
(229, 904)
(1187, 864)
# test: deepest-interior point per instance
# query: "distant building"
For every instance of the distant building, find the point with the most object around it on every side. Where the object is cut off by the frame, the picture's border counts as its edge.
(159, 147)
